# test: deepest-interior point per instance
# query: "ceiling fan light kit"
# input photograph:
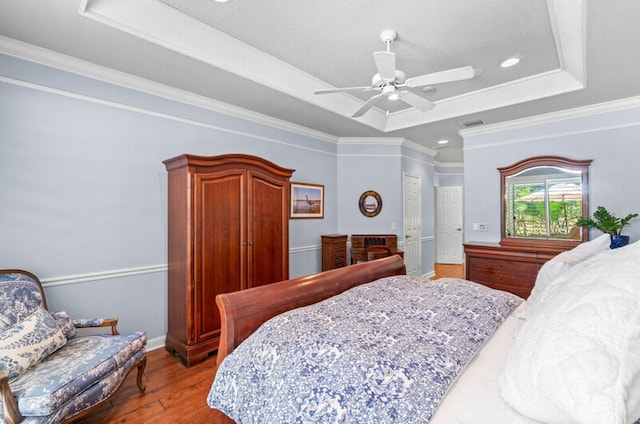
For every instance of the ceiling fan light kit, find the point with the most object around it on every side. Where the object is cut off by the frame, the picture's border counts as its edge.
(390, 83)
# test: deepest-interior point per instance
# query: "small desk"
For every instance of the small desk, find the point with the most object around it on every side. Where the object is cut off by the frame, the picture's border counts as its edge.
(359, 242)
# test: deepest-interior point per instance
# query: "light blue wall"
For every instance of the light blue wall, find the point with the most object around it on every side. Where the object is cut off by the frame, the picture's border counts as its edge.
(448, 176)
(608, 133)
(364, 165)
(84, 188)
(85, 194)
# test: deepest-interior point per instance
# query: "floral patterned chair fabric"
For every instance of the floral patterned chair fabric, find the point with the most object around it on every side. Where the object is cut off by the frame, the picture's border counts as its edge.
(48, 372)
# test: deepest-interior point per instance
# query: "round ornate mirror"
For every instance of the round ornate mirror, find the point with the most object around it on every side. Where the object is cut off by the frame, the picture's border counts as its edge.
(370, 203)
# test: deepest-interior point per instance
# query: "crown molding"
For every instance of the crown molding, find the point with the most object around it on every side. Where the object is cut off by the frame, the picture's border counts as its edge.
(449, 165)
(420, 148)
(83, 68)
(553, 117)
(149, 20)
(387, 141)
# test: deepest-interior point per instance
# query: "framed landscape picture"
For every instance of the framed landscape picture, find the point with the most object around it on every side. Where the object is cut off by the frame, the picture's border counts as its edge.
(307, 200)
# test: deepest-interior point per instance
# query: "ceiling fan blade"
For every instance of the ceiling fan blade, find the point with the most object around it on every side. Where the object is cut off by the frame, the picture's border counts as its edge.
(368, 105)
(386, 64)
(417, 101)
(341, 90)
(455, 74)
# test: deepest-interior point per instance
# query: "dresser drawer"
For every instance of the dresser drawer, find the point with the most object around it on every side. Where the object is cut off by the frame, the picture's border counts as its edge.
(509, 268)
(520, 285)
(504, 267)
(511, 280)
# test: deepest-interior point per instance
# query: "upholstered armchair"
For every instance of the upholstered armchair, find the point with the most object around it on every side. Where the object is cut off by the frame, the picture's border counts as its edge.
(50, 372)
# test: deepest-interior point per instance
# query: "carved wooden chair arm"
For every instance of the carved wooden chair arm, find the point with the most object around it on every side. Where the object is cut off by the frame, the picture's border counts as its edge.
(98, 322)
(10, 410)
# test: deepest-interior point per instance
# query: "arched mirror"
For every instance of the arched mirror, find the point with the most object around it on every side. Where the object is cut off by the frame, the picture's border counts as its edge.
(542, 198)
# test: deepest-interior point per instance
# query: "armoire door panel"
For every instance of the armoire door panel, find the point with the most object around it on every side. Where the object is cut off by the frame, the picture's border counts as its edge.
(219, 248)
(268, 231)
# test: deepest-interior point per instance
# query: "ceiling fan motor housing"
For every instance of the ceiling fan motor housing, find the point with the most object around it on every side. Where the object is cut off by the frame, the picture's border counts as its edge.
(388, 36)
(378, 81)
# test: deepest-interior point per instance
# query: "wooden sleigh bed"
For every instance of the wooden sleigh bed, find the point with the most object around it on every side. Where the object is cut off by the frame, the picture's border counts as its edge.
(511, 376)
(244, 311)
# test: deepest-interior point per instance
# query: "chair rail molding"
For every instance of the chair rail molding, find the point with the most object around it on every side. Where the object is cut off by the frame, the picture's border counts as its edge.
(102, 275)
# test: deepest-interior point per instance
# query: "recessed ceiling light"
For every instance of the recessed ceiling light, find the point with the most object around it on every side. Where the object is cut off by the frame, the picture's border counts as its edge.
(443, 141)
(512, 61)
(222, 1)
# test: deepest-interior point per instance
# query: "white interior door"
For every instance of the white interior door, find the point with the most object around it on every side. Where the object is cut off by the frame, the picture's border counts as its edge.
(412, 224)
(449, 225)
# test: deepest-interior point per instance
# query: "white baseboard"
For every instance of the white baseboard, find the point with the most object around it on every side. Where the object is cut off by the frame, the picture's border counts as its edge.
(156, 343)
(429, 274)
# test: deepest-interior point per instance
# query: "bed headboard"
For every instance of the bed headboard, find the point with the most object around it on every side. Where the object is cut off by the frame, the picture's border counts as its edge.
(242, 312)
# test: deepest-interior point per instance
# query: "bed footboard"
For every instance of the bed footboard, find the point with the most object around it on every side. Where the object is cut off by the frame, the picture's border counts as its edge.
(242, 312)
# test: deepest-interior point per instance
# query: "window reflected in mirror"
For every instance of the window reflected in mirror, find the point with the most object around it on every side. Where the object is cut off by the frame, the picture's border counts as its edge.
(544, 202)
(543, 197)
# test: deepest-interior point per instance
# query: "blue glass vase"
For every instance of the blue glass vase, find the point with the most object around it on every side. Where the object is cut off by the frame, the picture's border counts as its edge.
(618, 241)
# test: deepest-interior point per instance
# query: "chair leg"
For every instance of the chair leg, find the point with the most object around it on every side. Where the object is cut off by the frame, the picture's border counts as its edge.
(10, 409)
(141, 367)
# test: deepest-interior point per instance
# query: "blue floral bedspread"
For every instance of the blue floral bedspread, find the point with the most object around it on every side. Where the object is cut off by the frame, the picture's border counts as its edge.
(382, 352)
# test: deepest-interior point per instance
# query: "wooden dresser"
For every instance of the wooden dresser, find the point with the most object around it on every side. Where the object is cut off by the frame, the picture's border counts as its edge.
(334, 251)
(228, 231)
(510, 268)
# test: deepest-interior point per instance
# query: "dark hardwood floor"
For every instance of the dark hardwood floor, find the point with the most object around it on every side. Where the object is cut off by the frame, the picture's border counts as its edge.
(176, 394)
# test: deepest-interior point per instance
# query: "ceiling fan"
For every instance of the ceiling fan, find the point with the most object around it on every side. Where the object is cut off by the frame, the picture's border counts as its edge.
(392, 83)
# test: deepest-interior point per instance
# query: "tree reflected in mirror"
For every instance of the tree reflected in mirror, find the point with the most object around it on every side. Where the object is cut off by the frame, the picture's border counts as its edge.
(543, 198)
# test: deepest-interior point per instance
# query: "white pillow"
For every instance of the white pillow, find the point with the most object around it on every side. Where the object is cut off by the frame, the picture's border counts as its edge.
(29, 341)
(577, 357)
(563, 262)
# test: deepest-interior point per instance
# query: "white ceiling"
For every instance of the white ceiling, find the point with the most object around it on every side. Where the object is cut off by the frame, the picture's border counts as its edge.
(270, 56)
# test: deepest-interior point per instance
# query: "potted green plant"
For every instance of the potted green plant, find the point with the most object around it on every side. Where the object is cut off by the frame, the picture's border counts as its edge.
(608, 223)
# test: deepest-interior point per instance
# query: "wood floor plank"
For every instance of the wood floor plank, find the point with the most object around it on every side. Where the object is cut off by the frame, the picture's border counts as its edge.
(448, 270)
(174, 394)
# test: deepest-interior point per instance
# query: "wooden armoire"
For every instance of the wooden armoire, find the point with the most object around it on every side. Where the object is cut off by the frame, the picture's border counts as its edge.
(228, 230)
